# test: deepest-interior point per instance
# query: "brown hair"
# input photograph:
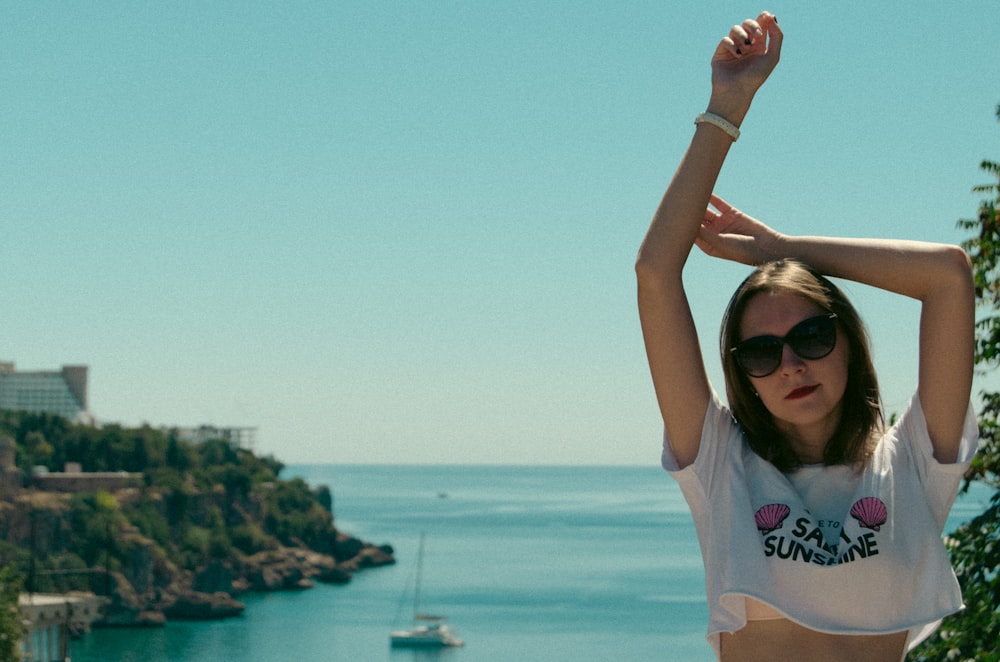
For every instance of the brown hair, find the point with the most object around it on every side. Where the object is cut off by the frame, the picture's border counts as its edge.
(861, 413)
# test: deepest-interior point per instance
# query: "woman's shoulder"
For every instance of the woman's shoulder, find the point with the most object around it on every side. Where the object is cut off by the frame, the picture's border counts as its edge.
(721, 437)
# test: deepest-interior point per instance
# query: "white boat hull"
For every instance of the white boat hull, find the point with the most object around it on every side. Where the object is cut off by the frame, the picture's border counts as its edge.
(424, 636)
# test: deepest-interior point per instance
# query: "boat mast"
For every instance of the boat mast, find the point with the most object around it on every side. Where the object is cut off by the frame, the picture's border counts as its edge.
(420, 572)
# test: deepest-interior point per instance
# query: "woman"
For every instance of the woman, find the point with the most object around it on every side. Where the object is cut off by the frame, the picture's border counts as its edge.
(819, 529)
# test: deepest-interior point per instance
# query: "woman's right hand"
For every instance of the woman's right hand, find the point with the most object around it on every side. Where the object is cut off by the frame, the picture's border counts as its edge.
(742, 62)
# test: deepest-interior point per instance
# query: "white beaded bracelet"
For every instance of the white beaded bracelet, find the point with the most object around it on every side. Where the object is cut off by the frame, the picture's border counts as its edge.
(711, 118)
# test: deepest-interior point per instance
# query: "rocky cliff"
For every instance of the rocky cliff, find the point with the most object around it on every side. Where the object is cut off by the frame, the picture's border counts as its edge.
(149, 582)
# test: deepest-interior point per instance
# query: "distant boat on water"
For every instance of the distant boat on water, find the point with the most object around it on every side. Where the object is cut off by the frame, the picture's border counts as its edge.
(427, 631)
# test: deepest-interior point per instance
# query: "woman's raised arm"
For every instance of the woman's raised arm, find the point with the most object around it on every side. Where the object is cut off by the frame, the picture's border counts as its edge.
(741, 63)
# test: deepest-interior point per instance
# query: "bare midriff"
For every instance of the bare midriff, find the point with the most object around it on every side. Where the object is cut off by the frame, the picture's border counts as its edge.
(782, 639)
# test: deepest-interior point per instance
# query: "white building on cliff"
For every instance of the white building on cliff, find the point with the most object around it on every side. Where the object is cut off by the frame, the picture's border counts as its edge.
(62, 392)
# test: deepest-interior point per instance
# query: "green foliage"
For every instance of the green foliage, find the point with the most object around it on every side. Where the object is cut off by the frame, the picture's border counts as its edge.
(216, 452)
(975, 547)
(39, 450)
(196, 544)
(147, 516)
(59, 573)
(294, 515)
(250, 538)
(200, 501)
(11, 629)
(94, 518)
(178, 455)
(325, 498)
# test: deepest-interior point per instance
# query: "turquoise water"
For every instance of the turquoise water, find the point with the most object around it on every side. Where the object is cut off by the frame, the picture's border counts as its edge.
(529, 563)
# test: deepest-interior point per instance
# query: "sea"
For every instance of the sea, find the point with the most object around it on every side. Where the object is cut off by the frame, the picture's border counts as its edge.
(587, 564)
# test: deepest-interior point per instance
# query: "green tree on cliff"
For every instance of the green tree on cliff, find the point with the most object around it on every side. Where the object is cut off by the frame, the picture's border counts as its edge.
(975, 547)
(11, 629)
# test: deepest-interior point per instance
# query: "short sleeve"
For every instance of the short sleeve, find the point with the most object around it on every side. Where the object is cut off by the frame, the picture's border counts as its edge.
(940, 480)
(720, 435)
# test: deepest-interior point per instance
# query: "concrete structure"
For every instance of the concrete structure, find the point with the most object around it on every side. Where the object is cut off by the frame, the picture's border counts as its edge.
(51, 618)
(74, 480)
(240, 437)
(62, 392)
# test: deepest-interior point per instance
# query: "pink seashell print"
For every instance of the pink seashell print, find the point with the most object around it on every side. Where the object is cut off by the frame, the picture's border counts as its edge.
(870, 513)
(771, 517)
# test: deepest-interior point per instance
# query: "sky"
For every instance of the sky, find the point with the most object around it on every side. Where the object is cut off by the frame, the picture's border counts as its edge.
(404, 232)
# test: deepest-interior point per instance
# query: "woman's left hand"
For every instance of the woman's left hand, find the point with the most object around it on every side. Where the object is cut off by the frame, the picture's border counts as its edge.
(730, 234)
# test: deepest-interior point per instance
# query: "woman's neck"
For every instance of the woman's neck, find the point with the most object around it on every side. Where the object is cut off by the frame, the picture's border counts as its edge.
(809, 442)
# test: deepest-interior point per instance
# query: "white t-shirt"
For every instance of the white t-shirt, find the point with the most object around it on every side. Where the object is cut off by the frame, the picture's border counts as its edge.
(832, 549)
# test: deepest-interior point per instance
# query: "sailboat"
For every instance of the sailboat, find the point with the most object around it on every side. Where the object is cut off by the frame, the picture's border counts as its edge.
(428, 631)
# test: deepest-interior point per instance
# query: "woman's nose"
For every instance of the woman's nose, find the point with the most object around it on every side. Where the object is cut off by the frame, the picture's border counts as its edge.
(790, 361)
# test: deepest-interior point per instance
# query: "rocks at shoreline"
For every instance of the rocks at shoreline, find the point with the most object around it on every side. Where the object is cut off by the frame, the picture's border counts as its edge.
(194, 606)
(145, 587)
(210, 593)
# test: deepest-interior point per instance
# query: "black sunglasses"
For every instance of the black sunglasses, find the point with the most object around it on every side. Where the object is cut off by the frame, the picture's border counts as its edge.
(811, 339)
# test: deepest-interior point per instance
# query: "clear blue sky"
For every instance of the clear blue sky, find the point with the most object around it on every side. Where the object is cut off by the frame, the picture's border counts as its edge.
(405, 231)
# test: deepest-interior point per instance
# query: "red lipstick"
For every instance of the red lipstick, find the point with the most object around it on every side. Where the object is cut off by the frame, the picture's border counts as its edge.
(801, 392)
